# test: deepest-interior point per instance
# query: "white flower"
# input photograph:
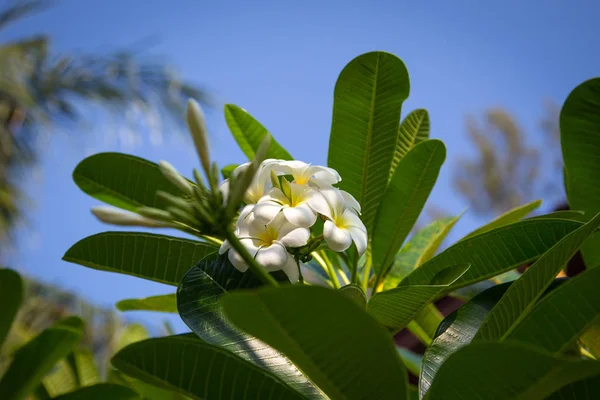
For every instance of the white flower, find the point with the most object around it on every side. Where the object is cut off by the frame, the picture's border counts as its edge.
(112, 215)
(267, 243)
(343, 226)
(300, 205)
(304, 173)
(260, 184)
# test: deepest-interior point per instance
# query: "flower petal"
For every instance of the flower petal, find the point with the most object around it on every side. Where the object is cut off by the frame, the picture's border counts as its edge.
(273, 257)
(265, 212)
(295, 238)
(301, 215)
(319, 204)
(352, 220)
(224, 247)
(359, 237)
(291, 270)
(325, 174)
(350, 201)
(335, 200)
(337, 239)
(237, 261)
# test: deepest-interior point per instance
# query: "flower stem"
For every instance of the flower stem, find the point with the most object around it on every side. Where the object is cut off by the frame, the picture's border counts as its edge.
(330, 270)
(300, 277)
(367, 271)
(256, 268)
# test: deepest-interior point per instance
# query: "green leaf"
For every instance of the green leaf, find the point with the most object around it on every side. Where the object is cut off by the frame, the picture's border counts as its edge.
(509, 217)
(197, 369)
(563, 214)
(587, 389)
(413, 130)
(36, 358)
(367, 102)
(327, 335)
(101, 391)
(131, 333)
(524, 292)
(591, 339)
(580, 142)
(61, 379)
(355, 293)
(158, 258)
(227, 170)
(419, 249)
(145, 390)
(198, 303)
(495, 371)
(404, 199)
(165, 303)
(249, 133)
(560, 318)
(11, 296)
(514, 245)
(123, 181)
(456, 331)
(395, 308)
(85, 367)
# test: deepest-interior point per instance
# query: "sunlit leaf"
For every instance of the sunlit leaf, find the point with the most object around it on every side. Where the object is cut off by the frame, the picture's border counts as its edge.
(337, 344)
(413, 130)
(131, 333)
(164, 303)
(159, 258)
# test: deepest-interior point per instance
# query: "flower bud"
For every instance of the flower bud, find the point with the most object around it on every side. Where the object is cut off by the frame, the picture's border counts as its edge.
(175, 177)
(197, 126)
(112, 215)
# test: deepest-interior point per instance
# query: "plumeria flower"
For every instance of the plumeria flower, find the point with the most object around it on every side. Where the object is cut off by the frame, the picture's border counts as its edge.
(267, 243)
(343, 225)
(300, 205)
(260, 184)
(304, 173)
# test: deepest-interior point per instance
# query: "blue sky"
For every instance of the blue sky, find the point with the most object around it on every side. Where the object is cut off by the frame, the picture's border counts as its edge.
(280, 60)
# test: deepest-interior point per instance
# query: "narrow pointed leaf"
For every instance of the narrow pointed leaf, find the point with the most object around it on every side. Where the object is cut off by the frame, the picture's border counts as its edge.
(413, 130)
(497, 371)
(524, 292)
(101, 391)
(580, 142)
(395, 308)
(515, 245)
(249, 133)
(404, 199)
(336, 343)
(199, 370)
(561, 317)
(367, 102)
(35, 359)
(509, 217)
(123, 180)
(165, 303)
(158, 258)
(419, 249)
(85, 368)
(11, 296)
(198, 303)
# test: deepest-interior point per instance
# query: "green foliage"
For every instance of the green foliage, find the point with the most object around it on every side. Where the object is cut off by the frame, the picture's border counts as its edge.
(11, 295)
(355, 293)
(414, 129)
(100, 391)
(200, 370)
(165, 303)
(580, 142)
(327, 335)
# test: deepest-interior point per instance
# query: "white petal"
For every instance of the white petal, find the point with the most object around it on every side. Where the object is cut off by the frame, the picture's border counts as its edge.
(295, 238)
(301, 215)
(350, 201)
(224, 247)
(274, 195)
(237, 261)
(335, 200)
(273, 257)
(224, 189)
(319, 205)
(266, 212)
(325, 174)
(359, 237)
(352, 220)
(337, 239)
(291, 270)
(240, 169)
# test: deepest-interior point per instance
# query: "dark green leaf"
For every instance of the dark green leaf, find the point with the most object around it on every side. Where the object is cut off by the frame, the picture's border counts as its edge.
(165, 303)
(101, 391)
(562, 316)
(413, 130)
(580, 142)
(524, 292)
(395, 308)
(591, 339)
(496, 251)
(498, 371)
(356, 293)
(249, 133)
(367, 102)
(509, 217)
(200, 370)
(123, 180)
(198, 303)
(145, 390)
(159, 258)
(339, 346)
(35, 359)
(587, 389)
(404, 199)
(11, 295)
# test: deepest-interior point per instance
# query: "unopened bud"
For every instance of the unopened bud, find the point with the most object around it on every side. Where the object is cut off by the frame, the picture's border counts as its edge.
(155, 214)
(175, 177)
(197, 126)
(112, 215)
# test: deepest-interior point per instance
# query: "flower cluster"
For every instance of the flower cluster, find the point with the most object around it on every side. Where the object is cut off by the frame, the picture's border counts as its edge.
(279, 213)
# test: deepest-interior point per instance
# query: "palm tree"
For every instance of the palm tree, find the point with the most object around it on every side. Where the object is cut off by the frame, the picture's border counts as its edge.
(38, 88)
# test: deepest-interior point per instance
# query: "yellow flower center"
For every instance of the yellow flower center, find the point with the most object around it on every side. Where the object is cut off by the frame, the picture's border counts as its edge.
(268, 236)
